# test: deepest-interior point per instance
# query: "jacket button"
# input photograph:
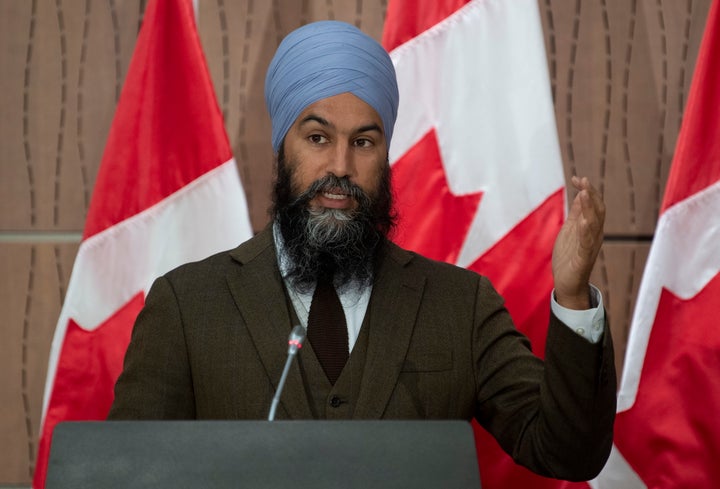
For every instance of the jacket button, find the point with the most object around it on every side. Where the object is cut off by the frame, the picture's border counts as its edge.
(335, 401)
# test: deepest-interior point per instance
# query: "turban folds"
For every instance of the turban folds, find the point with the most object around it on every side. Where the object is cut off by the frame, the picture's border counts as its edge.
(323, 59)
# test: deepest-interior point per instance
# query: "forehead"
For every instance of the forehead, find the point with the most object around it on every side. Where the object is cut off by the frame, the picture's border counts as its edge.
(342, 111)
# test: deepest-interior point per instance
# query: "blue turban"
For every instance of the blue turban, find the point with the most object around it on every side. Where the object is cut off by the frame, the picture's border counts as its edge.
(324, 59)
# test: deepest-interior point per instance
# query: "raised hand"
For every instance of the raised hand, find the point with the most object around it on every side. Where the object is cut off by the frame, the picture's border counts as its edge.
(577, 246)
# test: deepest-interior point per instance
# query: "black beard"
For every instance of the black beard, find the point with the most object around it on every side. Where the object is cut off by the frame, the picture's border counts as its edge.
(340, 243)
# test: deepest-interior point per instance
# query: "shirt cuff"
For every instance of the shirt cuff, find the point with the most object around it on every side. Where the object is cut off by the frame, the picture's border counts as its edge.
(587, 323)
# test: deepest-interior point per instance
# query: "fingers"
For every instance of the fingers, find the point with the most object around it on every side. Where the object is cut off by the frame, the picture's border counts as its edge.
(589, 212)
(591, 201)
(578, 182)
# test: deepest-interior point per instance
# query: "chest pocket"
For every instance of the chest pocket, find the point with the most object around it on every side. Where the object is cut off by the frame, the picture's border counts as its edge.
(425, 381)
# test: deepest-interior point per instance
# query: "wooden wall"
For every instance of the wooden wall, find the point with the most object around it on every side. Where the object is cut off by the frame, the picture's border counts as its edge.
(620, 73)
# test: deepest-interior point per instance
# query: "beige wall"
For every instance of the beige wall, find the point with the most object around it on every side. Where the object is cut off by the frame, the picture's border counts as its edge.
(620, 74)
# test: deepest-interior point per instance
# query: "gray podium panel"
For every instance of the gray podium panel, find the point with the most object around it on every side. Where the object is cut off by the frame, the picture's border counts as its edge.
(261, 454)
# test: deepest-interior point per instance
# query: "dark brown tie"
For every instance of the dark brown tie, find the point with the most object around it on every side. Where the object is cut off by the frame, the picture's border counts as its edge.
(327, 329)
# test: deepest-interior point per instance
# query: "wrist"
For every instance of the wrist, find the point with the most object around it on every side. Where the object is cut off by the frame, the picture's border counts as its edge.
(578, 301)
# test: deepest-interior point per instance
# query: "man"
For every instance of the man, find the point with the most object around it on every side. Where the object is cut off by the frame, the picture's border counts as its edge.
(407, 337)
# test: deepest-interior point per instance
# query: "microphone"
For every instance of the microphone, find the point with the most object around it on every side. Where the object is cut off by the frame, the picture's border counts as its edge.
(295, 342)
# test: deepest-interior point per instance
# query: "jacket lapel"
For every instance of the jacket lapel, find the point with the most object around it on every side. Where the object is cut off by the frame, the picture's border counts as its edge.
(393, 310)
(259, 293)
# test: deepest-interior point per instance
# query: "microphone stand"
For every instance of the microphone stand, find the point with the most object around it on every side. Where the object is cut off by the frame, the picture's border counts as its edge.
(295, 342)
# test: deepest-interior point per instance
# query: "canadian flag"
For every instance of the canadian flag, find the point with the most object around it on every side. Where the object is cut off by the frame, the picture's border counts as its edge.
(167, 192)
(667, 431)
(475, 160)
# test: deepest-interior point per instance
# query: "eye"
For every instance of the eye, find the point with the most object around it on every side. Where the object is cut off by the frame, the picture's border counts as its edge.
(317, 139)
(363, 142)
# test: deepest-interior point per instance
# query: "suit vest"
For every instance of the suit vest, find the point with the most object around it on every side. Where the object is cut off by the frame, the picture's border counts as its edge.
(329, 401)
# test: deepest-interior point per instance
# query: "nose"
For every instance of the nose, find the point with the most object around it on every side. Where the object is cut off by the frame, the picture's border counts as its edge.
(342, 163)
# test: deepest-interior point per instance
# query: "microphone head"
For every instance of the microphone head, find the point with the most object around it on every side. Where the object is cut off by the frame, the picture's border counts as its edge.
(296, 339)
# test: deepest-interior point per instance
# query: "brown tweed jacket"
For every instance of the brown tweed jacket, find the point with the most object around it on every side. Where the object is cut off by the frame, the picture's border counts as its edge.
(211, 342)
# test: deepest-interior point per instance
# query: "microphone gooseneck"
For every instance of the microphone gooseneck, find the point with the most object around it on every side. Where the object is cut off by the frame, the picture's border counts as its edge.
(295, 342)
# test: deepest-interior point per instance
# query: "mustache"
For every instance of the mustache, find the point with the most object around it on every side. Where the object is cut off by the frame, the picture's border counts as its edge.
(329, 183)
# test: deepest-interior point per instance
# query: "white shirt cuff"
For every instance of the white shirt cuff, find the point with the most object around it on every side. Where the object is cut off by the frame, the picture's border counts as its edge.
(587, 323)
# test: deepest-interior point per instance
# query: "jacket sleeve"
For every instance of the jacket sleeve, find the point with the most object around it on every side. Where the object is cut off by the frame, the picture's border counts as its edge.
(553, 417)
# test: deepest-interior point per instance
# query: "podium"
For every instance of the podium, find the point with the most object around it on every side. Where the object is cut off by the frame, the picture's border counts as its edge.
(262, 454)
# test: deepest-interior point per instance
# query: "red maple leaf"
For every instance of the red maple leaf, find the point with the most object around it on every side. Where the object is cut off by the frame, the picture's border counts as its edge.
(433, 220)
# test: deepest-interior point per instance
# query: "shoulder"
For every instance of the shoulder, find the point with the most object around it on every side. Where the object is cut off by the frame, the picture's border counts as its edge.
(440, 279)
(417, 263)
(219, 264)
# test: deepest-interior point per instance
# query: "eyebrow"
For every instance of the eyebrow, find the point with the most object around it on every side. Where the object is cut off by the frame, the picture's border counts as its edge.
(316, 118)
(369, 127)
(324, 122)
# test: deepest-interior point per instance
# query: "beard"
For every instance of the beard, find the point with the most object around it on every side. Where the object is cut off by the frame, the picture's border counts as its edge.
(342, 243)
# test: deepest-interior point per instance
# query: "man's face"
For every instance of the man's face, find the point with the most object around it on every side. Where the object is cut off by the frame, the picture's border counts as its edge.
(340, 135)
(332, 197)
